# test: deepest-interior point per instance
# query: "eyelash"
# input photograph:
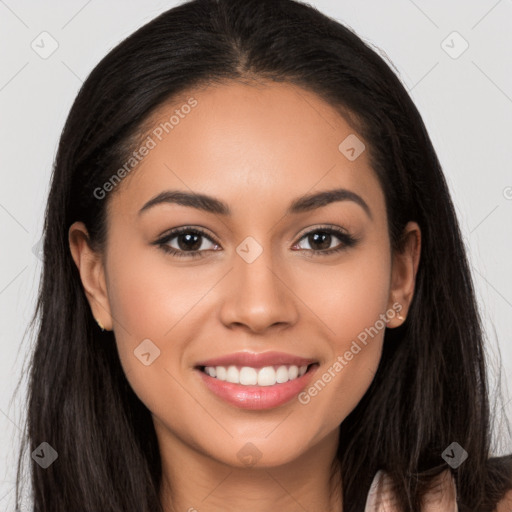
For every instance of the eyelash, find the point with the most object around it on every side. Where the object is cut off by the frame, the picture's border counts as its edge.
(347, 241)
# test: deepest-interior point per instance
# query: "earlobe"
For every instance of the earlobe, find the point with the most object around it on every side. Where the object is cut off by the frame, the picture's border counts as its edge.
(92, 274)
(403, 273)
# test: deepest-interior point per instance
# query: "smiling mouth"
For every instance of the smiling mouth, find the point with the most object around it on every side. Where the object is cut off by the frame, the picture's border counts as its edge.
(250, 376)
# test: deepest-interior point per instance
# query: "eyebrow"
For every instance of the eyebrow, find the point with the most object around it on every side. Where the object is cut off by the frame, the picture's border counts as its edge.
(211, 204)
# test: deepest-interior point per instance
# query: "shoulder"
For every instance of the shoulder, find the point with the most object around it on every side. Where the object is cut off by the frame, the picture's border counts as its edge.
(442, 496)
(505, 505)
(500, 473)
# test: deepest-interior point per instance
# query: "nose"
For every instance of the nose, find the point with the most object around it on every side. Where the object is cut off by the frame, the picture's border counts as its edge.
(257, 296)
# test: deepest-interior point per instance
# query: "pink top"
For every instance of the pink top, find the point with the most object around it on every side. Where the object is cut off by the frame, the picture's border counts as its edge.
(441, 499)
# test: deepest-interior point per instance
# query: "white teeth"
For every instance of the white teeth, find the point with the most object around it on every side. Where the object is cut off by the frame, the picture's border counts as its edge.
(211, 371)
(220, 371)
(282, 374)
(233, 375)
(266, 376)
(247, 376)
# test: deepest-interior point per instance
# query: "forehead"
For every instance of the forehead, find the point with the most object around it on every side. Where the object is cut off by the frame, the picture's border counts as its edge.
(249, 145)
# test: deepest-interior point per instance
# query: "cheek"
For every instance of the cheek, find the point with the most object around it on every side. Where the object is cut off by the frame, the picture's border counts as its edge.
(348, 297)
(150, 301)
(147, 295)
(351, 301)
(149, 308)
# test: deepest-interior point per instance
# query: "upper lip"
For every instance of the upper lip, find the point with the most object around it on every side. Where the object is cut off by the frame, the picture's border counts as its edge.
(257, 360)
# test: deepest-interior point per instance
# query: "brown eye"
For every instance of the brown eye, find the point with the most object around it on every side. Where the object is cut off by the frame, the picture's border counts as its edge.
(320, 240)
(190, 242)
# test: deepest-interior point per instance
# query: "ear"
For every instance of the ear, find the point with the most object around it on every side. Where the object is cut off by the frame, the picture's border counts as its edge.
(92, 273)
(403, 273)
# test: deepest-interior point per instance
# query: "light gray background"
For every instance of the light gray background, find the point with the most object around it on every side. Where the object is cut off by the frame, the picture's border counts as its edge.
(466, 103)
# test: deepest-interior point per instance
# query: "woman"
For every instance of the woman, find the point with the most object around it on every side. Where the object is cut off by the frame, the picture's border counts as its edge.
(255, 293)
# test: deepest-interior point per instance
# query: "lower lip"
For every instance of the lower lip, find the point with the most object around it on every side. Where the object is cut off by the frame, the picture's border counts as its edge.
(258, 397)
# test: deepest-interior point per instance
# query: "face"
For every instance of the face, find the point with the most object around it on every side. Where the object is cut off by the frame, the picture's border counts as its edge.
(262, 320)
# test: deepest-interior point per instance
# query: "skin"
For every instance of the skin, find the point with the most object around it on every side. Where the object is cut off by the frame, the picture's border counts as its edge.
(250, 146)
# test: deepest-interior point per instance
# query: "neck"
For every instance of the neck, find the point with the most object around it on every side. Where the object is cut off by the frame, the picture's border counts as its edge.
(193, 482)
